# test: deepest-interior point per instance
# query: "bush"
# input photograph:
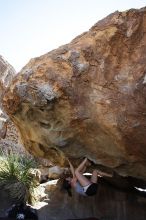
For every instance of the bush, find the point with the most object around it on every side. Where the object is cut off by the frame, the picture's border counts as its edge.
(16, 178)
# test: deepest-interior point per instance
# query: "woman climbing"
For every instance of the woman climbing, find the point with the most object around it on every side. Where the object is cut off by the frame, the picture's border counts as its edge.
(80, 183)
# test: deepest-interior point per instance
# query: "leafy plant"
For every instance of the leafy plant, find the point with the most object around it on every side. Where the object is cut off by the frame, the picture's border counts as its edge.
(16, 178)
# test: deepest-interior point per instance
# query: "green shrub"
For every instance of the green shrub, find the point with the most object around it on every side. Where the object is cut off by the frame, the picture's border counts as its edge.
(16, 178)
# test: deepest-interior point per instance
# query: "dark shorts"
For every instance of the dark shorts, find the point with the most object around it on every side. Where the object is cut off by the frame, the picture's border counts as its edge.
(92, 189)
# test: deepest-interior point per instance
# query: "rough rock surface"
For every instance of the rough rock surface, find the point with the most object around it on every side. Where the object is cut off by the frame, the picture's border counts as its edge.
(87, 98)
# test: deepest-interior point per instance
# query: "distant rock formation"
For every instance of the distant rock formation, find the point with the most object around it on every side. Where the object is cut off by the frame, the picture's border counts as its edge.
(7, 73)
(9, 138)
(88, 98)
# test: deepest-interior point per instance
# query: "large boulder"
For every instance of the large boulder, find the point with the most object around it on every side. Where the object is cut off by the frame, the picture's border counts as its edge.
(88, 98)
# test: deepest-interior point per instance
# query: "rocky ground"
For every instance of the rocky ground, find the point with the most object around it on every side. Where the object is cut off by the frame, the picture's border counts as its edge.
(109, 204)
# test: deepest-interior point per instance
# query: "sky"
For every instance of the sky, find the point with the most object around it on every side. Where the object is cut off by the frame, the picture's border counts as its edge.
(30, 28)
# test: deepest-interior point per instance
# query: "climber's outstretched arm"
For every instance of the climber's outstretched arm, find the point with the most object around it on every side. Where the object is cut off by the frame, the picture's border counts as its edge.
(71, 169)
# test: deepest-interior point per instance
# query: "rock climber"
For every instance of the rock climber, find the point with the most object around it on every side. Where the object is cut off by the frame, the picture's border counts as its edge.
(80, 183)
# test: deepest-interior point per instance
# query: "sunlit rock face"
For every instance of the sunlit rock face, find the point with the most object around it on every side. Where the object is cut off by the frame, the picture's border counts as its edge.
(88, 98)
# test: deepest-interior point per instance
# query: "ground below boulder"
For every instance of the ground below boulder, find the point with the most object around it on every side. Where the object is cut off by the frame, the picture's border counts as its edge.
(110, 203)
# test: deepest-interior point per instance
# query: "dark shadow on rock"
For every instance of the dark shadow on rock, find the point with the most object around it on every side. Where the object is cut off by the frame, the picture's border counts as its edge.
(85, 219)
(5, 202)
(112, 202)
